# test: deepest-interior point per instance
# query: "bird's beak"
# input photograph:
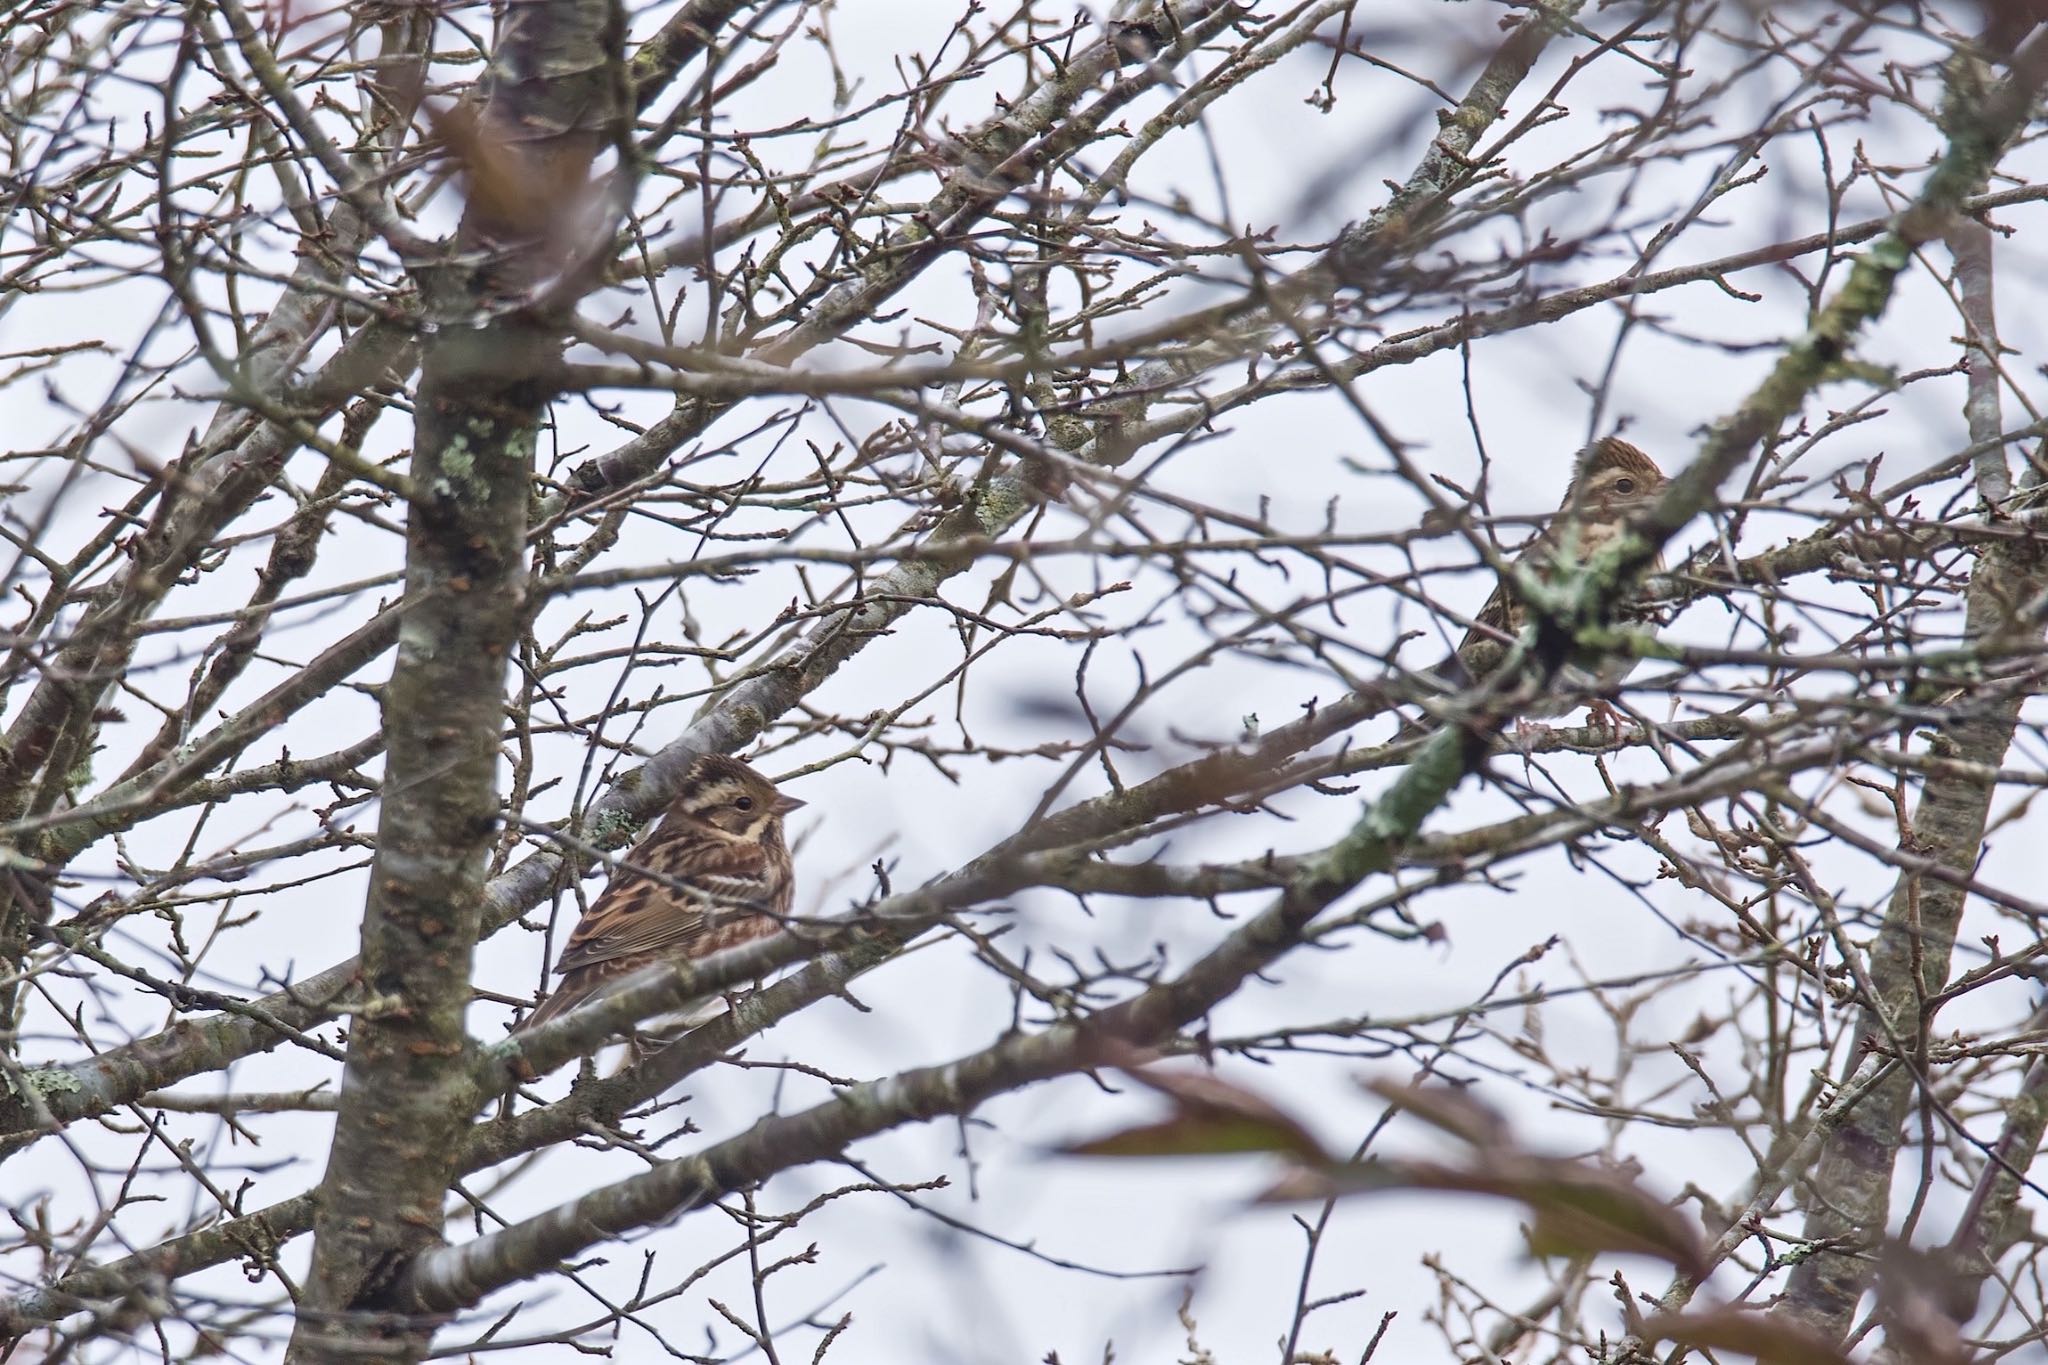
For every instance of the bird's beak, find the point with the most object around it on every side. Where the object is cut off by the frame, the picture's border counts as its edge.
(785, 804)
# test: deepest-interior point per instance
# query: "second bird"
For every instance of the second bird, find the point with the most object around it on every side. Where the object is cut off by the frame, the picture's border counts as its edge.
(1611, 480)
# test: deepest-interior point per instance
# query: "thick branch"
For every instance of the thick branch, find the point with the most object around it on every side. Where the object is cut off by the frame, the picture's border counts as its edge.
(557, 90)
(1910, 961)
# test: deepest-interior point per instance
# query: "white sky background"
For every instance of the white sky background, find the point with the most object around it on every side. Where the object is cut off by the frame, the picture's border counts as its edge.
(941, 1295)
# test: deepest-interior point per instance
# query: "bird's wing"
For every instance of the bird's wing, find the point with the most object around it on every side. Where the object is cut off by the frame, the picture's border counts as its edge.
(1495, 620)
(638, 915)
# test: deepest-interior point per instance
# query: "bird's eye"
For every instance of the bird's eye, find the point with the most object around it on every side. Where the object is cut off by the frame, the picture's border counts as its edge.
(745, 803)
(1624, 486)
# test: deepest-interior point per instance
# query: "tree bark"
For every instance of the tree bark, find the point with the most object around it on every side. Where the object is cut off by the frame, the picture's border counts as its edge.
(557, 90)
(1908, 965)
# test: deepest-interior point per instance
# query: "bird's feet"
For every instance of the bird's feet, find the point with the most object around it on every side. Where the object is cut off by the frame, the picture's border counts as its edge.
(1601, 714)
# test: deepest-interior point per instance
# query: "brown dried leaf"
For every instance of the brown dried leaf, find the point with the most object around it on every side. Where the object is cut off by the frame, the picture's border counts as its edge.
(1574, 1208)
(1772, 1340)
(1448, 1108)
(1211, 1117)
(1187, 1135)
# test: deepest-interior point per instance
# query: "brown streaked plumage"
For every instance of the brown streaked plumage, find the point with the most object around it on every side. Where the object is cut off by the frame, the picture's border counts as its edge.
(1611, 481)
(715, 873)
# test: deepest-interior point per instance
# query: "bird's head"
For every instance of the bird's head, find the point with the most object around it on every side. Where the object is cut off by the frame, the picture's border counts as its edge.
(1612, 479)
(727, 795)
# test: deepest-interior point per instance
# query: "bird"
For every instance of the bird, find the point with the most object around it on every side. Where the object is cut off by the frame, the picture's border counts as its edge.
(715, 873)
(1611, 481)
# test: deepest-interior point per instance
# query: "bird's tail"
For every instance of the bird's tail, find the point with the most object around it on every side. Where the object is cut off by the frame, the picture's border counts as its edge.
(566, 996)
(571, 993)
(1450, 675)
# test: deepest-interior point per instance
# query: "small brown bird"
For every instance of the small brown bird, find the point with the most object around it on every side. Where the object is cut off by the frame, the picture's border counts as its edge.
(715, 873)
(1611, 481)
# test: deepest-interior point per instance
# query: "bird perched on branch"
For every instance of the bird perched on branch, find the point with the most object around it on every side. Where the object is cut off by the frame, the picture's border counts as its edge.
(1611, 481)
(714, 874)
